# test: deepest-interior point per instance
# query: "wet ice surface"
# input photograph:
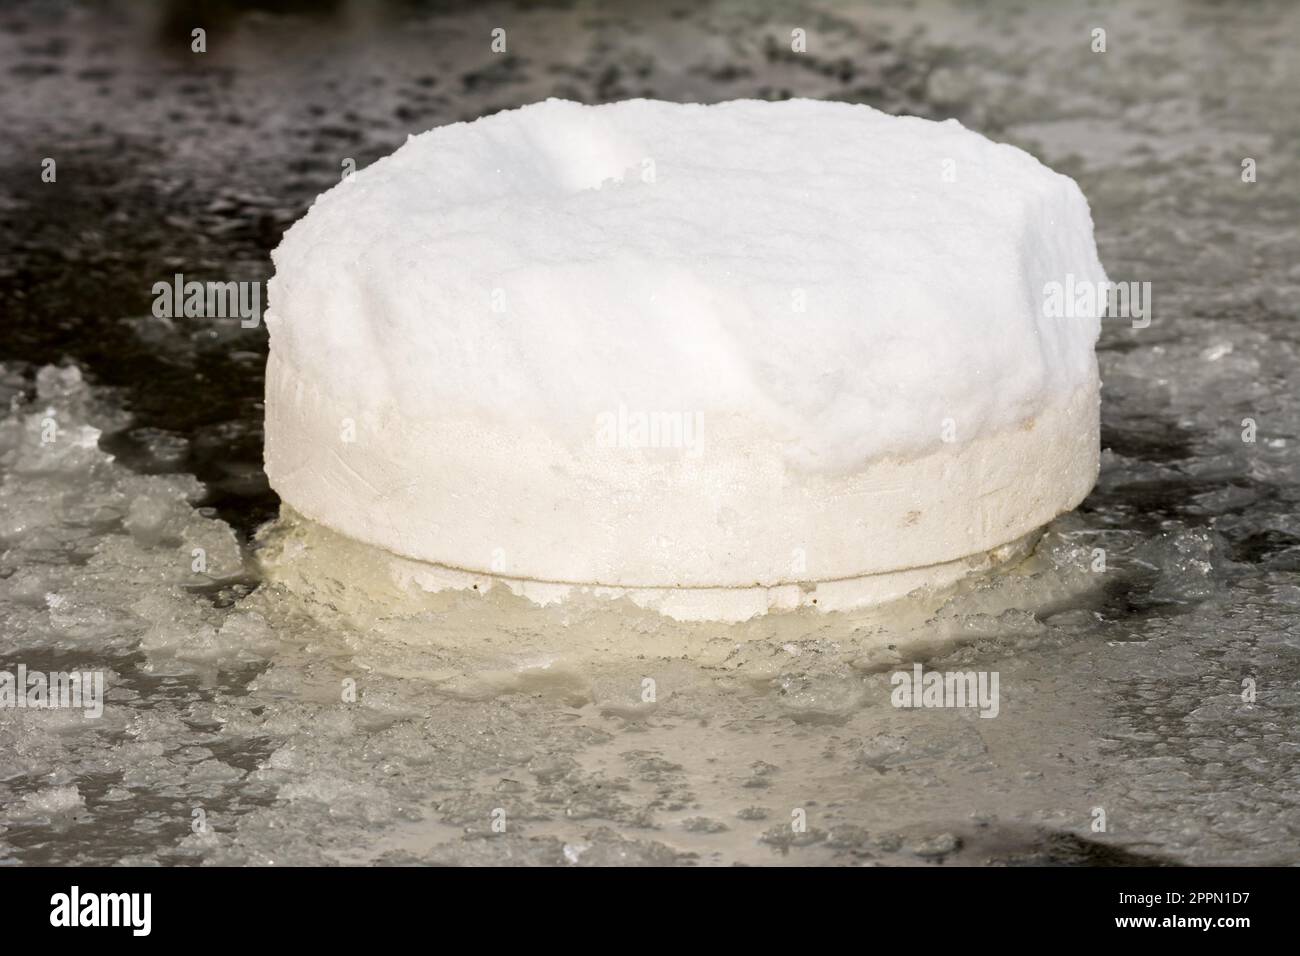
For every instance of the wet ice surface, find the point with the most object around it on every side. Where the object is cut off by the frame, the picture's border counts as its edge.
(1120, 689)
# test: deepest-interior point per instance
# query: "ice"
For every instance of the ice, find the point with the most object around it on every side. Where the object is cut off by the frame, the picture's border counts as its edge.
(48, 805)
(308, 722)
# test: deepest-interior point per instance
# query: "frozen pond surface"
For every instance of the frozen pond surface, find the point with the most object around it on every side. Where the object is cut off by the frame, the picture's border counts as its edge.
(229, 691)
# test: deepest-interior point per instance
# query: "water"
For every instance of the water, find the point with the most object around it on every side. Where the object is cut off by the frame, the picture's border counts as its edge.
(230, 734)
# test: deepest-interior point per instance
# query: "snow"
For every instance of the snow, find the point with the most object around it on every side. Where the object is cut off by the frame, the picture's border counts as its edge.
(842, 278)
(652, 347)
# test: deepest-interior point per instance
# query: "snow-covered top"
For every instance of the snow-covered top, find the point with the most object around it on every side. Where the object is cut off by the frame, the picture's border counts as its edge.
(842, 280)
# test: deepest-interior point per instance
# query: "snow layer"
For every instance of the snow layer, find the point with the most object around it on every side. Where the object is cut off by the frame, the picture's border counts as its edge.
(843, 279)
